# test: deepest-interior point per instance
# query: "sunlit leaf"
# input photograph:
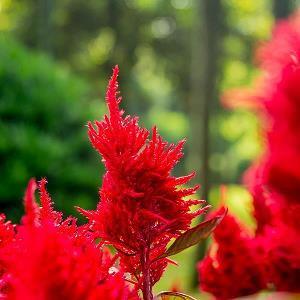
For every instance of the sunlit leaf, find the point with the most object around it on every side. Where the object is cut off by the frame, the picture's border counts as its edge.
(173, 296)
(193, 236)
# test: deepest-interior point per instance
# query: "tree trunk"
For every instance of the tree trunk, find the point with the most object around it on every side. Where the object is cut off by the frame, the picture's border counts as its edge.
(204, 68)
(44, 30)
(282, 8)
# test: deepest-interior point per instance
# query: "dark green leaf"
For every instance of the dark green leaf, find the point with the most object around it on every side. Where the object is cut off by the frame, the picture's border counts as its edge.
(193, 236)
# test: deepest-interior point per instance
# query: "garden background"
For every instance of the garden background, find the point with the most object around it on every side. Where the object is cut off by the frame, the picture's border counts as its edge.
(177, 57)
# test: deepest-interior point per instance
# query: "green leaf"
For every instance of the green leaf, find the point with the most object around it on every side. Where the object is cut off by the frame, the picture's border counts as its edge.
(193, 236)
(173, 296)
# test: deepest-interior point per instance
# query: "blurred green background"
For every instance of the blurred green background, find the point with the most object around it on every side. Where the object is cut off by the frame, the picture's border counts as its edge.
(176, 59)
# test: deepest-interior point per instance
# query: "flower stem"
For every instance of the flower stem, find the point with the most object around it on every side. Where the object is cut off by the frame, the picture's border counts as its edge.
(147, 289)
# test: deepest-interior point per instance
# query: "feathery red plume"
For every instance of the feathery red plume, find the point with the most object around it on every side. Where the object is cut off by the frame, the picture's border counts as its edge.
(141, 206)
(49, 258)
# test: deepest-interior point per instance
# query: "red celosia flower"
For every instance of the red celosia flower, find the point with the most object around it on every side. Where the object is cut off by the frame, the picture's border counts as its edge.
(141, 206)
(55, 259)
(277, 188)
(233, 267)
(282, 171)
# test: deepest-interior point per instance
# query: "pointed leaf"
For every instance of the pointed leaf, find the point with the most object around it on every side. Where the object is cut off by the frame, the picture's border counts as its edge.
(193, 236)
(173, 296)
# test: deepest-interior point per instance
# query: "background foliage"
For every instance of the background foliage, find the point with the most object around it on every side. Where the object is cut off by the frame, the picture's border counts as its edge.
(43, 109)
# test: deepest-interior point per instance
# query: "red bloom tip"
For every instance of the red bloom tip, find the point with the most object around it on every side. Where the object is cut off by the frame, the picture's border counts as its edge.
(46, 201)
(112, 98)
(86, 213)
(30, 205)
(47, 213)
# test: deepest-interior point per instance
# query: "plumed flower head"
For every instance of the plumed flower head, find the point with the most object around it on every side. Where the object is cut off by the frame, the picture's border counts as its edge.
(233, 266)
(142, 205)
(51, 258)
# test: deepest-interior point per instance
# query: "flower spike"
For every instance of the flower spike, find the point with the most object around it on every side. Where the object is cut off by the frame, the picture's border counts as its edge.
(142, 206)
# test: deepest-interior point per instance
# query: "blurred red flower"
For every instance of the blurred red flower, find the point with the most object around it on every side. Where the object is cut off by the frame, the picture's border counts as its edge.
(233, 266)
(275, 181)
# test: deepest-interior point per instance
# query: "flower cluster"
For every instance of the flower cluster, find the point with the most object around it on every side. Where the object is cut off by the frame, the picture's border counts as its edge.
(46, 257)
(233, 265)
(274, 182)
(281, 161)
(142, 206)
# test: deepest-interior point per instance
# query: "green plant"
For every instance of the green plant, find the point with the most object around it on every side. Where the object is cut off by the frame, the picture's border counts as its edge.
(43, 109)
